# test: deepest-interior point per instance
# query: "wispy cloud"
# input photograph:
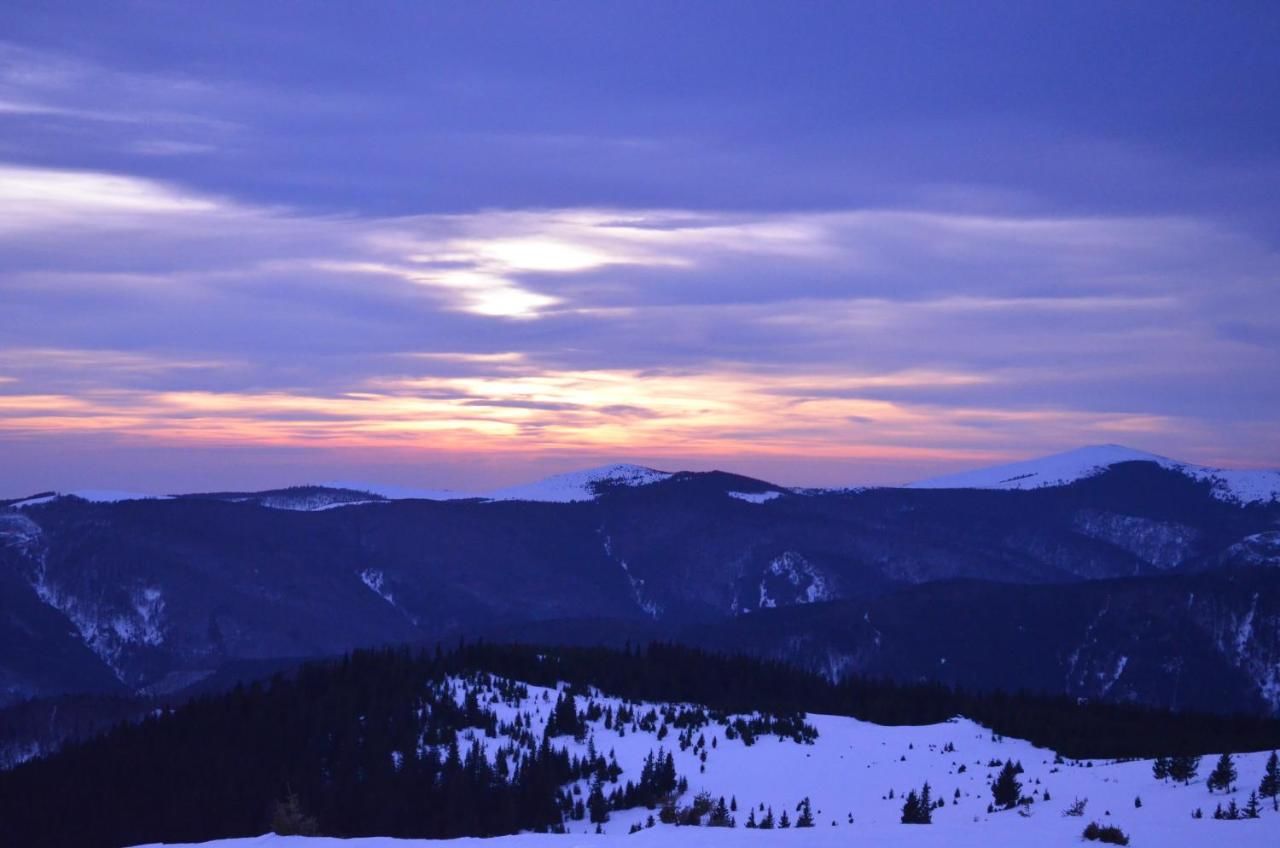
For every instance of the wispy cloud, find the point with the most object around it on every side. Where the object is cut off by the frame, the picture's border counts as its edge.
(45, 84)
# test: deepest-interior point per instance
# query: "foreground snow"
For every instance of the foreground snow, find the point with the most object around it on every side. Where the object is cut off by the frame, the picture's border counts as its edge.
(1171, 835)
(848, 774)
(1235, 485)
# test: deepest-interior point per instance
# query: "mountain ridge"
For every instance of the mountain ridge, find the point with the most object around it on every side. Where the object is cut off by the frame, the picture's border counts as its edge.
(1239, 485)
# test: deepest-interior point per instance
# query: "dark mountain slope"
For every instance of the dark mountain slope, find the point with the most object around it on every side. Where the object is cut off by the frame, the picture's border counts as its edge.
(163, 592)
(1207, 641)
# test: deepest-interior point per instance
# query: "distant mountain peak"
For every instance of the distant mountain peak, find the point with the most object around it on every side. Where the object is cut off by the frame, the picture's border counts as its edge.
(1061, 469)
(567, 487)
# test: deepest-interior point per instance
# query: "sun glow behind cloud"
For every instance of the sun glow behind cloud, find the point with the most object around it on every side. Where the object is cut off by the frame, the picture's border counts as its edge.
(859, 334)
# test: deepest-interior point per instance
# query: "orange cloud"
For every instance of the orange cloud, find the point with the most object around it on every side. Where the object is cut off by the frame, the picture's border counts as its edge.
(524, 410)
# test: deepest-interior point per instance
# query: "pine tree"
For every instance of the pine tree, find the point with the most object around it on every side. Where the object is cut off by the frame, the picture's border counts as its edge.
(1183, 768)
(597, 807)
(911, 809)
(784, 821)
(289, 819)
(720, 815)
(1006, 789)
(766, 823)
(806, 814)
(918, 808)
(1223, 775)
(1270, 786)
(1160, 768)
(1251, 810)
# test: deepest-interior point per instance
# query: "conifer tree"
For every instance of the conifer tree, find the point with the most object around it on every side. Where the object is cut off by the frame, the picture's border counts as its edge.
(1184, 768)
(911, 808)
(289, 819)
(1006, 789)
(1270, 786)
(1223, 775)
(1251, 810)
(806, 814)
(720, 815)
(918, 806)
(1160, 768)
(597, 807)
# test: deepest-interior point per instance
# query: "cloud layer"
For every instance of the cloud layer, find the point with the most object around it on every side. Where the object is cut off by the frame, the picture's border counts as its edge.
(464, 270)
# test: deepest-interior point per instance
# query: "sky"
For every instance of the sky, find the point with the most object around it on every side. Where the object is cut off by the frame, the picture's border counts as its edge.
(467, 244)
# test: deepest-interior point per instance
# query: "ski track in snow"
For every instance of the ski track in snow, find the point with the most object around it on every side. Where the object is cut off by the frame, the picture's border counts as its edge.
(850, 770)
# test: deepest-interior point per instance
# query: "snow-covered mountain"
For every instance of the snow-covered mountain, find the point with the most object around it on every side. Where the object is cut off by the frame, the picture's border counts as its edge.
(1060, 469)
(572, 486)
(579, 485)
(153, 592)
(1240, 486)
(855, 775)
(90, 495)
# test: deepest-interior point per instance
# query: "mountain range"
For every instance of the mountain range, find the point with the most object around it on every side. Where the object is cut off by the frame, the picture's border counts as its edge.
(1101, 573)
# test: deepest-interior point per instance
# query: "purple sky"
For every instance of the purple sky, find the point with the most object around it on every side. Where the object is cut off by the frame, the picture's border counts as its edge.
(464, 245)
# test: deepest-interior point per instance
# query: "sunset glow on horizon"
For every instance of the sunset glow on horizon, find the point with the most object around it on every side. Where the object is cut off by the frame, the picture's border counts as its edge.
(400, 270)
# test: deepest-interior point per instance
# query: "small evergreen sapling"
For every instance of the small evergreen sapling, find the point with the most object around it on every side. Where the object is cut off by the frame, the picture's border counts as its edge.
(1109, 834)
(1076, 808)
(288, 818)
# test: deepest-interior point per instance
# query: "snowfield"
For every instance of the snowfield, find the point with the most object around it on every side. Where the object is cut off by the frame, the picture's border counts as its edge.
(560, 488)
(848, 774)
(1234, 485)
(756, 497)
(579, 485)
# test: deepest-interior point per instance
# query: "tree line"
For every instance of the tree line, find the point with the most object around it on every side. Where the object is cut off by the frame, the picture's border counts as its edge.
(374, 744)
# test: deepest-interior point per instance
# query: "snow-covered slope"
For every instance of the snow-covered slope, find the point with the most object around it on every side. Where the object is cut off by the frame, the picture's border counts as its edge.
(579, 485)
(399, 493)
(1240, 486)
(93, 496)
(560, 488)
(855, 775)
(756, 497)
